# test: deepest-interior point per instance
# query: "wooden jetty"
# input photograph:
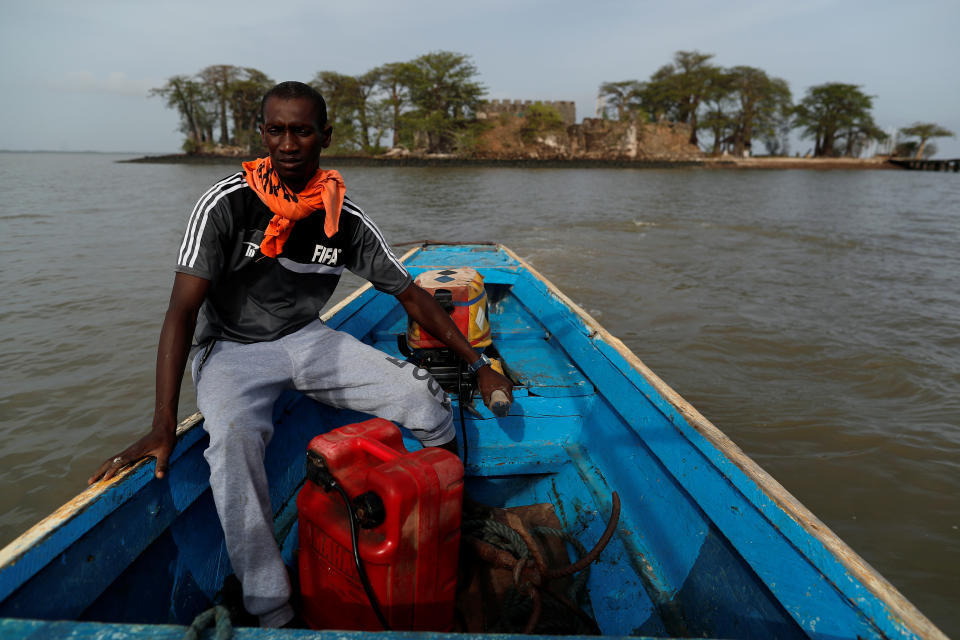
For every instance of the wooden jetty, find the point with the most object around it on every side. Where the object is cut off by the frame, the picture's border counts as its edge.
(917, 164)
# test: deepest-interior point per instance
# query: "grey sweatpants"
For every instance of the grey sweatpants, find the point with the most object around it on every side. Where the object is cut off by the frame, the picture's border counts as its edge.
(237, 386)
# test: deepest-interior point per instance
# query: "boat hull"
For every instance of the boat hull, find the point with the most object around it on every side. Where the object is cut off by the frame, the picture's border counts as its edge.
(708, 544)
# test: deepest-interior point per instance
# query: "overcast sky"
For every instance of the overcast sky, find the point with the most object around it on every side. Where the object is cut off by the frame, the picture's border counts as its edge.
(75, 75)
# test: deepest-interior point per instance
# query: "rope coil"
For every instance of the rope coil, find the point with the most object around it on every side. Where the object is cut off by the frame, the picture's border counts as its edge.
(505, 547)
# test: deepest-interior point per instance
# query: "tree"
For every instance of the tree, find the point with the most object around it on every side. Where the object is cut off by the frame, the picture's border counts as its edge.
(352, 109)
(186, 95)
(676, 90)
(910, 149)
(444, 94)
(622, 97)
(217, 80)
(365, 108)
(540, 119)
(656, 99)
(764, 104)
(214, 96)
(244, 96)
(342, 95)
(394, 79)
(721, 123)
(833, 113)
(719, 115)
(860, 133)
(925, 131)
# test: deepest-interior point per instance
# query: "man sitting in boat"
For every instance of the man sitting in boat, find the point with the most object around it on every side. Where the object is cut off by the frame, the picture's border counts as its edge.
(263, 251)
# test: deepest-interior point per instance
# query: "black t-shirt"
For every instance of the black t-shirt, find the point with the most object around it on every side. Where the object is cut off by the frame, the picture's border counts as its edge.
(253, 298)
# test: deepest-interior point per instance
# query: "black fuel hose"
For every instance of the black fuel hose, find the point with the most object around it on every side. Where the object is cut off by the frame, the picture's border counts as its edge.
(463, 422)
(364, 579)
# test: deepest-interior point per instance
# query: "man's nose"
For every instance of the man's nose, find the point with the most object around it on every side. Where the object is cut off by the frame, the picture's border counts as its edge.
(288, 142)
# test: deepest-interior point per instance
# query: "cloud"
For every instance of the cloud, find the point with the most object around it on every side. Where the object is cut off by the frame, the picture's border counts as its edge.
(115, 82)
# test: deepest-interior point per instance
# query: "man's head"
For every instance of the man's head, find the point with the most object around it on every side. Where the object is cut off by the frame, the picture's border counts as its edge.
(291, 90)
(295, 130)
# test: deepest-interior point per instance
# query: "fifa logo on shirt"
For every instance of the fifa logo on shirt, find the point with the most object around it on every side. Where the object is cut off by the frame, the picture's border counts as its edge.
(325, 255)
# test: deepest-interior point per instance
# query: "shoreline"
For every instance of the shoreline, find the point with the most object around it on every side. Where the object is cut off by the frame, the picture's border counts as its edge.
(802, 163)
(767, 163)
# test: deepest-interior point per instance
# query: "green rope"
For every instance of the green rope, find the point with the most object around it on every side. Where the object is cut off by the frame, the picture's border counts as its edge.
(497, 534)
(516, 606)
(218, 616)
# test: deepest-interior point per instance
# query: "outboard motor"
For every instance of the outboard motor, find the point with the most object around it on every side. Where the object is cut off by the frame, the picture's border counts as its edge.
(459, 292)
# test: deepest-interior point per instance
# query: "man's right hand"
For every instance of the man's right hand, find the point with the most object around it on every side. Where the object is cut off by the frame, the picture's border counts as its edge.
(185, 300)
(157, 444)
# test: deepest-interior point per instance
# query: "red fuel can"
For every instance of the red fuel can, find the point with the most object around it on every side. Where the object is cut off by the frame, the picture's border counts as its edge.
(410, 558)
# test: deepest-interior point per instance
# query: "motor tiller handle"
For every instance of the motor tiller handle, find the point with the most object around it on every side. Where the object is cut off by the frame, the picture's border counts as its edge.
(499, 403)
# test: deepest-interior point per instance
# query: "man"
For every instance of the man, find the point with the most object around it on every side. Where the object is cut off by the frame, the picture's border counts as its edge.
(261, 255)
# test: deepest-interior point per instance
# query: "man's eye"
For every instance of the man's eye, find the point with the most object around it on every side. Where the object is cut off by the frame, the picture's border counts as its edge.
(274, 131)
(304, 132)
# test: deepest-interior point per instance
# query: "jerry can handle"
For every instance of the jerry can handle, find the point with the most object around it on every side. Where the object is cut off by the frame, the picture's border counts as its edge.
(377, 449)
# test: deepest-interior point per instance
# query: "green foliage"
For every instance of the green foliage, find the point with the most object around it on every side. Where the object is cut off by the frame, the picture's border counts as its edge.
(188, 97)
(393, 79)
(468, 137)
(722, 124)
(925, 131)
(622, 99)
(763, 106)
(742, 104)
(676, 90)
(430, 102)
(357, 116)
(444, 95)
(539, 119)
(837, 116)
(191, 146)
(735, 105)
(911, 149)
(244, 94)
(207, 100)
(216, 81)
(427, 103)
(344, 99)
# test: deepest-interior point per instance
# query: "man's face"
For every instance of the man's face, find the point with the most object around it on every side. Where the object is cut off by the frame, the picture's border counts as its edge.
(293, 140)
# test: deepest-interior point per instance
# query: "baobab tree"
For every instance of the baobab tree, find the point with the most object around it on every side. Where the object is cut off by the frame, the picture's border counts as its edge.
(925, 131)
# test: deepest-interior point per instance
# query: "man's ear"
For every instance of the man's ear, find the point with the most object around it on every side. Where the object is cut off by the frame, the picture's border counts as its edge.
(327, 135)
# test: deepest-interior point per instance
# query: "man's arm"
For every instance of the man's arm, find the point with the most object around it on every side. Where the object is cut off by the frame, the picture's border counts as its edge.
(175, 337)
(426, 312)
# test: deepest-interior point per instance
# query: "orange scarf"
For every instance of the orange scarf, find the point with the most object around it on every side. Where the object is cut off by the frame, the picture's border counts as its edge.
(324, 191)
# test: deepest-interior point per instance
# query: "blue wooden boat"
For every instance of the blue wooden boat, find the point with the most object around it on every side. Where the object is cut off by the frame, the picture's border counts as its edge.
(707, 545)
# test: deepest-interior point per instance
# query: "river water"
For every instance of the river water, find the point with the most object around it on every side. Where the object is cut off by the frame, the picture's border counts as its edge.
(814, 316)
